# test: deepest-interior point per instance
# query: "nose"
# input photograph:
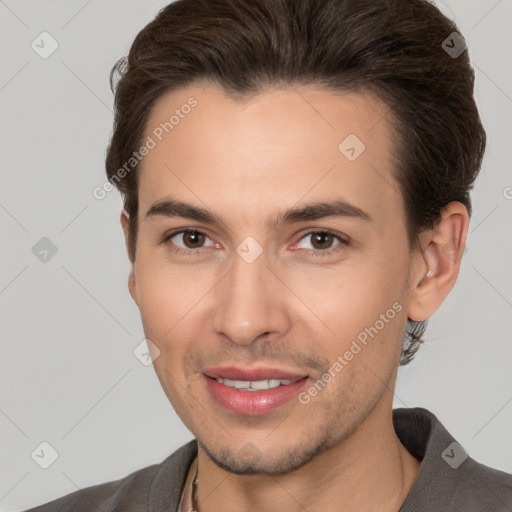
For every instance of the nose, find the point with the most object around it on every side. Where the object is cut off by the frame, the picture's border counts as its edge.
(252, 302)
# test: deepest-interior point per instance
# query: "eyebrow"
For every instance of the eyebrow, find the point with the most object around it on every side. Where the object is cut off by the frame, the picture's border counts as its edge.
(314, 211)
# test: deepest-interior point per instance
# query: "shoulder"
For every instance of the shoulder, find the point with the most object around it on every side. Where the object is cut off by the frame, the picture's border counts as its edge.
(477, 484)
(448, 478)
(132, 493)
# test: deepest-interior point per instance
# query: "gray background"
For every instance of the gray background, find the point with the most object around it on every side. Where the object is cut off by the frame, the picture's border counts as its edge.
(68, 325)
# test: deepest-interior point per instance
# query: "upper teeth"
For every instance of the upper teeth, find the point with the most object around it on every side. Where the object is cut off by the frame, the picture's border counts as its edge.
(254, 385)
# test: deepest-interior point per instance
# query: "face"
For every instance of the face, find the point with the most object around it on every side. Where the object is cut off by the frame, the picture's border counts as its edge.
(272, 251)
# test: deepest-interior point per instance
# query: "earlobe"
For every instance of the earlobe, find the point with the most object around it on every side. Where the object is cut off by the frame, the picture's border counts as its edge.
(441, 260)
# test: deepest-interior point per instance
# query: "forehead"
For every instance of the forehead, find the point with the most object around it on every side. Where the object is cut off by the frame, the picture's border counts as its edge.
(274, 149)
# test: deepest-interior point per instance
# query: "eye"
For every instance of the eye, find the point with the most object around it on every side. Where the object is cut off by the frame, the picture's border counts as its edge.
(187, 241)
(323, 242)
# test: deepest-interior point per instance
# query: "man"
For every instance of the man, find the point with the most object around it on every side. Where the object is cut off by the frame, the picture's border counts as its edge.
(296, 178)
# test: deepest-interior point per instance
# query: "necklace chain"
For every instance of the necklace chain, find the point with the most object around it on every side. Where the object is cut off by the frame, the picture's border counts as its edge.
(193, 497)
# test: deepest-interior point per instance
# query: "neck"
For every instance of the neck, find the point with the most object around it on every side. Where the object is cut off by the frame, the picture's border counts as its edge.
(369, 470)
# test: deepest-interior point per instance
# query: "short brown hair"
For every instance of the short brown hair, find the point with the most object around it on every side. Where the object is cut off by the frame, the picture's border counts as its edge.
(392, 48)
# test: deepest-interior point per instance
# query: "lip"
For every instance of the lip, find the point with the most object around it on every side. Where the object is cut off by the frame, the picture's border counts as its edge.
(259, 373)
(252, 403)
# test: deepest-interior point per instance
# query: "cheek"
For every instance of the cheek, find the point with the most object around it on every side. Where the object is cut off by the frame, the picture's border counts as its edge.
(169, 295)
(171, 299)
(363, 304)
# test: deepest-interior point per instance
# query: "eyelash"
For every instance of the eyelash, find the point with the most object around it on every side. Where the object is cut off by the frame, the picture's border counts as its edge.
(312, 252)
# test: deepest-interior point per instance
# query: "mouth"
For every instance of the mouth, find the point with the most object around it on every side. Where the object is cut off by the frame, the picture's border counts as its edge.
(254, 391)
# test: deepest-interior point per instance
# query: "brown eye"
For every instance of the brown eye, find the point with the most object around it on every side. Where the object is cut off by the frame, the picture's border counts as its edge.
(322, 240)
(321, 243)
(193, 239)
(188, 241)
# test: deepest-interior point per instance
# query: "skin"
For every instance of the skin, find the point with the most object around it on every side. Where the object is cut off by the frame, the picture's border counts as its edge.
(246, 161)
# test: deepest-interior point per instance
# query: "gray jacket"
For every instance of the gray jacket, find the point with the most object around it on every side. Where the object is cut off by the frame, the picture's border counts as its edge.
(448, 480)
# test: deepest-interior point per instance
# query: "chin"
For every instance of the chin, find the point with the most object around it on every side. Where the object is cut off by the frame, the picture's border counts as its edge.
(249, 460)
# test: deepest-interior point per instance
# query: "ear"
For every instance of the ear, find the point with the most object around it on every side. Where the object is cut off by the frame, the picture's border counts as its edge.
(442, 250)
(132, 282)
